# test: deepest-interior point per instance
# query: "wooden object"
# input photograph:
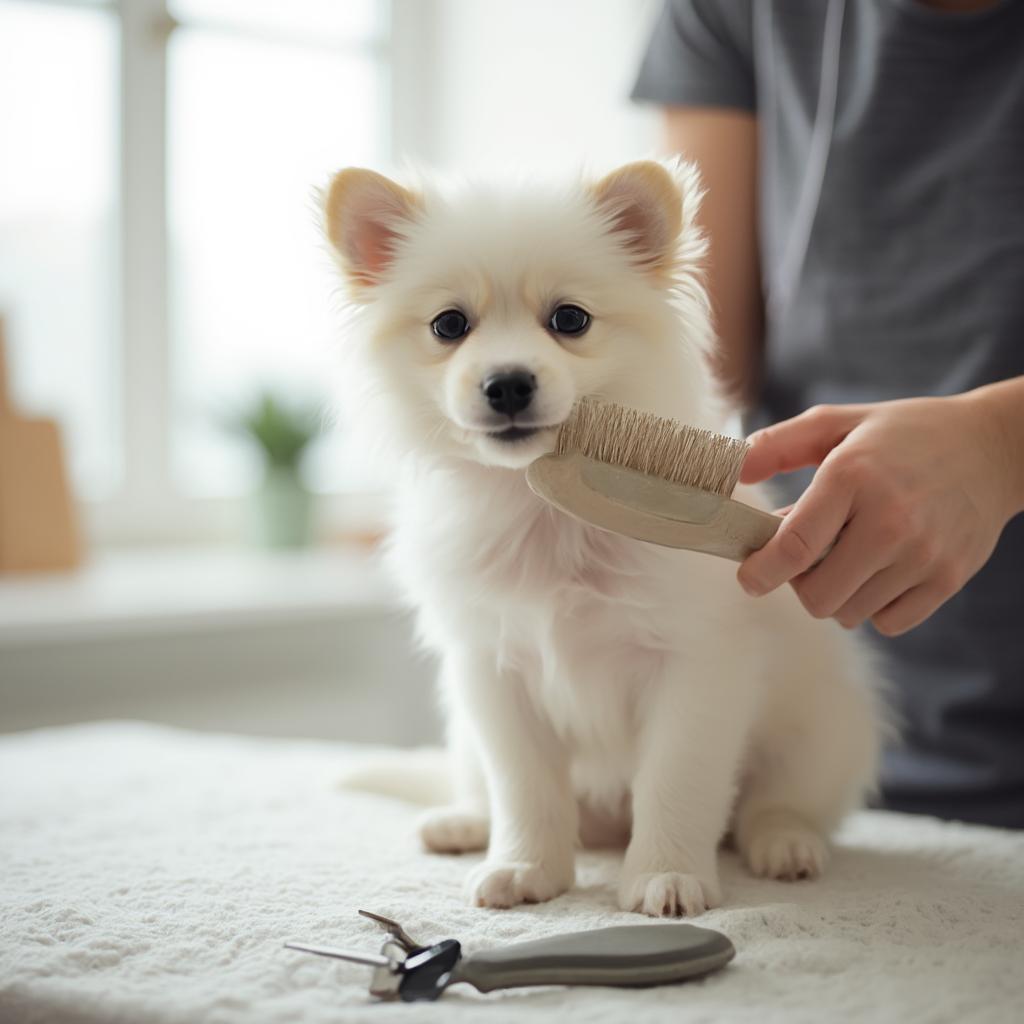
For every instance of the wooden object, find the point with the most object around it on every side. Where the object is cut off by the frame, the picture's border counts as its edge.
(649, 508)
(653, 479)
(38, 531)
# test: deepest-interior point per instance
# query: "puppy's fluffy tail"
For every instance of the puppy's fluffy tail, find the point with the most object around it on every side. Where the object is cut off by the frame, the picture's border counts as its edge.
(419, 776)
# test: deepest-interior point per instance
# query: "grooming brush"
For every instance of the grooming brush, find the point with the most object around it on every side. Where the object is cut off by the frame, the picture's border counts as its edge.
(653, 479)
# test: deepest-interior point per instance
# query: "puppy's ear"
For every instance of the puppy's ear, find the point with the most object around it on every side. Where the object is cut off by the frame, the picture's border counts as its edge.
(364, 213)
(644, 207)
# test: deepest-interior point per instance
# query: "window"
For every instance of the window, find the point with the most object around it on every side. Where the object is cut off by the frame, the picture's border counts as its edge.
(160, 258)
(264, 101)
(58, 225)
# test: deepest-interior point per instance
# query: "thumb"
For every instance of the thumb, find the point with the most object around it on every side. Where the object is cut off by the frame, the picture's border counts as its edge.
(804, 440)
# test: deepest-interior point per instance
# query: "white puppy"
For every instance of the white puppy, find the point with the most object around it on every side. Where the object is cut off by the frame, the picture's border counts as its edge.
(595, 686)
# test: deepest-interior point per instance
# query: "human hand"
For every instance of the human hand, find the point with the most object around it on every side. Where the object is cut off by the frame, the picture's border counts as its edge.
(913, 493)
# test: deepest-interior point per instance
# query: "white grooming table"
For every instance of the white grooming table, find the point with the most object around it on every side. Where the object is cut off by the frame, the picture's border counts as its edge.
(150, 875)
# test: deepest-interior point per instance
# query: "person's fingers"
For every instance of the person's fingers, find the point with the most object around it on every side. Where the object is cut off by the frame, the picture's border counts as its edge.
(803, 536)
(912, 608)
(855, 560)
(877, 593)
(804, 440)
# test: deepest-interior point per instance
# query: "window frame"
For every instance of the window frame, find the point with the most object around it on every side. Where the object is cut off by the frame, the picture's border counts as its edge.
(148, 507)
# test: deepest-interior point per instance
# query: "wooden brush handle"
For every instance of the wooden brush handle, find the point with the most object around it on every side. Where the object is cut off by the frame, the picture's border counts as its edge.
(650, 509)
(742, 529)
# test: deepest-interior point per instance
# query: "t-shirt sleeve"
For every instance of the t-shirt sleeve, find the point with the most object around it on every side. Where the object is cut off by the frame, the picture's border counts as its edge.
(700, 54)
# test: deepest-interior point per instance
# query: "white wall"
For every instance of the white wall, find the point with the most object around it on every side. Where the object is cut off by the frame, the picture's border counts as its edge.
(535, 84)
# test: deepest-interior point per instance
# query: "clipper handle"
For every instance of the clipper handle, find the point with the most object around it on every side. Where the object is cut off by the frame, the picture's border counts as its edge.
(630, 955)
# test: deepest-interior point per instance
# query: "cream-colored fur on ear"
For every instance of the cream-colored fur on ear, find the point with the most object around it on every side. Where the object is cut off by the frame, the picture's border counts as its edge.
(644, 202)
(363, 217)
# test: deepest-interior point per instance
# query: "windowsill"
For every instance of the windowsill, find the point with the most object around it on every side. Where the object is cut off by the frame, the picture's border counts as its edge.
(172, 590)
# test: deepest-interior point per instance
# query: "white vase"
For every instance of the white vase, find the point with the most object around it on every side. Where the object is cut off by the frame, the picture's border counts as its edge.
(283, 509)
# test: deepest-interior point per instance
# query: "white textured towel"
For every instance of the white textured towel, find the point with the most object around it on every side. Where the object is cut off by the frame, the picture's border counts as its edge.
(149, 875)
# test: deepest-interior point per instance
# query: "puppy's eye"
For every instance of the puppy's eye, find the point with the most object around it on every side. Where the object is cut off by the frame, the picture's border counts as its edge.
(450, 325)
(569, 320)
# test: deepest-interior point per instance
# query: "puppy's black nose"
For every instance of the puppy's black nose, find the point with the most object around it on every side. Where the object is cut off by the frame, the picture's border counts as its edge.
(509, 391)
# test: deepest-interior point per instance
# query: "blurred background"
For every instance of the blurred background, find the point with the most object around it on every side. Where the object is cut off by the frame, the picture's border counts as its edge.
(185, 537)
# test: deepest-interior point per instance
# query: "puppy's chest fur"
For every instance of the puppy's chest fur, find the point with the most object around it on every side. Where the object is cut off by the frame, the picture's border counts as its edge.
(581, 619)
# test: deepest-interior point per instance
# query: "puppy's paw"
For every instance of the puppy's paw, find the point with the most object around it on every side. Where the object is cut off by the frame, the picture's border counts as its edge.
(788, 852)
(499, 884)
(669, 894)
(453, 830)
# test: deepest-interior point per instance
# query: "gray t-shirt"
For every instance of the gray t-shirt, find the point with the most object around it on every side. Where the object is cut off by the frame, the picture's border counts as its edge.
(906, 278)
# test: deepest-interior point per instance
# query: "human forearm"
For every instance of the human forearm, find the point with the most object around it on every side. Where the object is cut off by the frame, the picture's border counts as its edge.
(1001, 409)
(723, 144)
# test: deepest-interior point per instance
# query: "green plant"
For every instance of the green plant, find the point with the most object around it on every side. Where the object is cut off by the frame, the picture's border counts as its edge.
(282, 430)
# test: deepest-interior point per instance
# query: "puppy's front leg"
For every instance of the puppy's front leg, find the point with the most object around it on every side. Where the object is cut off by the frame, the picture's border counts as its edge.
(533, 812)
(689, 750)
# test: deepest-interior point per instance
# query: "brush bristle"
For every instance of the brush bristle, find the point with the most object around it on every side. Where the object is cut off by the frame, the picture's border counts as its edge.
(653, 445)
